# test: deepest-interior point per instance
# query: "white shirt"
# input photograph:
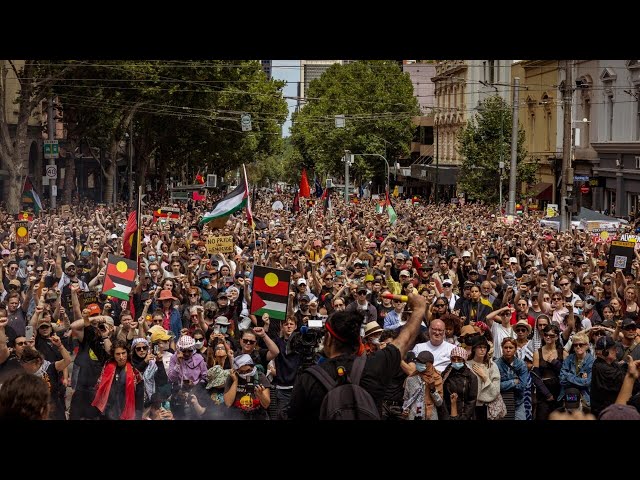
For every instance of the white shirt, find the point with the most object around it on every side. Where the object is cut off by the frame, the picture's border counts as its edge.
(499, 333)
(441, 353)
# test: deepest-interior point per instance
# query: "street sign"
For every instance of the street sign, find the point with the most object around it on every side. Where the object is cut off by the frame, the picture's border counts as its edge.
(52, 172)
(245, 121)
(51, 149)
(584, 189)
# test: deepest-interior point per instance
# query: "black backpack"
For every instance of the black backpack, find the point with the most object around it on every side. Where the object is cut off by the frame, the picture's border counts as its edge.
(346, 401)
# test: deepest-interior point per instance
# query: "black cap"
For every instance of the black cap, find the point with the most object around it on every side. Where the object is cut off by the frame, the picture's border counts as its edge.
(605, 343)
(627, 322)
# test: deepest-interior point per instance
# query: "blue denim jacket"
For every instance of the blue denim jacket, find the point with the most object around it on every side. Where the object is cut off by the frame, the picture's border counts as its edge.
(569, 377)
(508, 375)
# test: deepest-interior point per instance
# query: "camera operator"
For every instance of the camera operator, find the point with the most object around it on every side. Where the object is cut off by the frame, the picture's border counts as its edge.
(287, 366)
(342, 343)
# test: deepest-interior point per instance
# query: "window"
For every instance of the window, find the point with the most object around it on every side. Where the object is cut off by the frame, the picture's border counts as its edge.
(491, 71)
(637, 162)
(532, 131)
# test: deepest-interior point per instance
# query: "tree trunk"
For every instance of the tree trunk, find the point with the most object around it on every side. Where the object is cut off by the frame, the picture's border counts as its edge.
(14, 192)
(69, 179)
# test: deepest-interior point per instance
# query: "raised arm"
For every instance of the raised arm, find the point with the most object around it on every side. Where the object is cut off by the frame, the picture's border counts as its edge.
(409, 332)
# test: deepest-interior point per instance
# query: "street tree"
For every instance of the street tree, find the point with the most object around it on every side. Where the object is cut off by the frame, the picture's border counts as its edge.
(34, 80)
(483, 143)
(377, 100)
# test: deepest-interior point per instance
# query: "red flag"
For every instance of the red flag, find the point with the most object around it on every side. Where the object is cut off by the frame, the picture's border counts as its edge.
(199, 179)
(129, 240)
(199, 197)
(305, 190)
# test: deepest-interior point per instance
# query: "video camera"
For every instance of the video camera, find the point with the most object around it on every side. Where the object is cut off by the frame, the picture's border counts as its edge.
(305, 343)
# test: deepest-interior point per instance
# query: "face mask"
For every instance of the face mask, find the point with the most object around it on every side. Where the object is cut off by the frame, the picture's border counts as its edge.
(223, 329)
(421, 367)
(375, 341)
(579, 311)
(457, 365)
(199, 345)
(205, 282)
(152, 258)
(246, 376)
(29, 267)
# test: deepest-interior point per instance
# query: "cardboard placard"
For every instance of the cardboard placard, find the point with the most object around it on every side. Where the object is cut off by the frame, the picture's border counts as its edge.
(87, 298)
(220, 244)
(620, 256)
(22, 233)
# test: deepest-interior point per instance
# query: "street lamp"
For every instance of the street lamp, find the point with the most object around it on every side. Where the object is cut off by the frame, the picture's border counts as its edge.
(377, 155)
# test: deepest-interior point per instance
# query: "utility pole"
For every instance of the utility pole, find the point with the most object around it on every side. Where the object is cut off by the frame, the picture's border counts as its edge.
(567, 171)
(437, 163)
(131, 163)
(51, 127)
(511, 205)
(347, 157)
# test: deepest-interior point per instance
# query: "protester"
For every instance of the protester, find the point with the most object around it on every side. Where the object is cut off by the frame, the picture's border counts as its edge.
(464, 261)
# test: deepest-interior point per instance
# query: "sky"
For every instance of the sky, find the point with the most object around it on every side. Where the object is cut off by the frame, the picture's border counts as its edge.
(289, 71)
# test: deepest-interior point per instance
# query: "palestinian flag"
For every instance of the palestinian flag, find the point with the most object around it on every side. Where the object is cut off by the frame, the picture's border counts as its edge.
(25, 216)
(270, 292)
(166, 212)
(390, 211)
(120, 277)
(379, 208)
(130, 237)
(30, 196)
(234, 201)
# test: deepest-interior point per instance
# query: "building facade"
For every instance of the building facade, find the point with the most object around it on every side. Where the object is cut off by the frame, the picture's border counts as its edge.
(616, 129)
(459, 86)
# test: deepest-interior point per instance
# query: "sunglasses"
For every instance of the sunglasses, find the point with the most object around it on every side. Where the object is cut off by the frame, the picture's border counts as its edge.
(194, 295)
(550, 335)
(141, 349)
(20, 344)
(598, 334)
(581, 345)
(153, 271)
(157, 321)
(439, 305)
(564, 284)
(520, 330)
(248, 342)
(197, 339)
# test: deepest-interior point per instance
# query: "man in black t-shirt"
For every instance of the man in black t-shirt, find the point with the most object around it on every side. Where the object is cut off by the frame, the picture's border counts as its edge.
(341, 345)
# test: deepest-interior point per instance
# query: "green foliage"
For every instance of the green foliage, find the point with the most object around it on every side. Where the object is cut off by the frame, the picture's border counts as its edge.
(188, 110)
(377, 100)
(483, 143)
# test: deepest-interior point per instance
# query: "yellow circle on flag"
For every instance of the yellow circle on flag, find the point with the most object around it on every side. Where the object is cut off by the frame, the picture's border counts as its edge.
(604, 235)
(25, 215)
(21, 232)
(271, 279)
(121, 266)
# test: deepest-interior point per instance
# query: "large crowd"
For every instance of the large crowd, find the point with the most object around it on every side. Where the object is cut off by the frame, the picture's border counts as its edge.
(459, 313)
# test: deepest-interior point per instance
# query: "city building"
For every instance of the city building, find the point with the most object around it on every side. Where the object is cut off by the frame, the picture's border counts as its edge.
(310, 70)
(267, 65)
(616, 136)
(460, 85)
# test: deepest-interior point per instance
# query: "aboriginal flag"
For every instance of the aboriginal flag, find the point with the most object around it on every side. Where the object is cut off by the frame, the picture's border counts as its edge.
(120, 277)
(130, 237)
(270, 292)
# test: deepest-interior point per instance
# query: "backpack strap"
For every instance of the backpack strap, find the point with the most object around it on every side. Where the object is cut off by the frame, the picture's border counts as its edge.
(356, 369)
(322, 376)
